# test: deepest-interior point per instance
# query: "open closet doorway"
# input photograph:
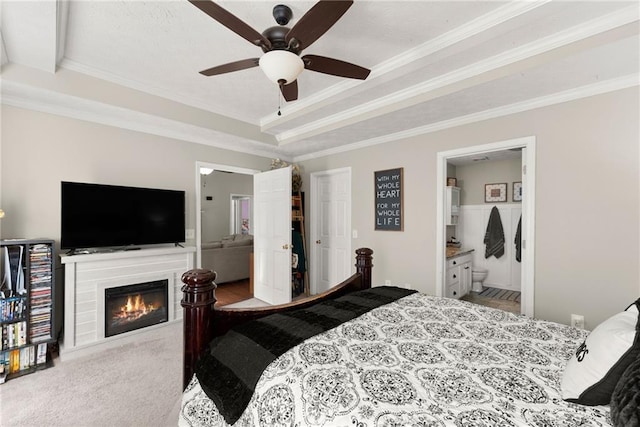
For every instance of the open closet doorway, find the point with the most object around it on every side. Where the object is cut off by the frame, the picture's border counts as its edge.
(524, 209)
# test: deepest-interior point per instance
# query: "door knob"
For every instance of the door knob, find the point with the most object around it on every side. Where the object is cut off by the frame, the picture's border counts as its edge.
(285, 246)
(318, 242)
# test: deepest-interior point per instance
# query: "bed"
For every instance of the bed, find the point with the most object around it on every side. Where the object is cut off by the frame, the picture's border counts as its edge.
(382, 356)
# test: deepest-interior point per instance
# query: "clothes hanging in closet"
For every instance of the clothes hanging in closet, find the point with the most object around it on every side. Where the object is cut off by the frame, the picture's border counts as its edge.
(518, 241)
(494, 236)
(298, 248)
(301, 265)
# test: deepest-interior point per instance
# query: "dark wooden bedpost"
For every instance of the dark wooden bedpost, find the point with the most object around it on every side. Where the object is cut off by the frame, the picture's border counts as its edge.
(363, 265)
(198, 300)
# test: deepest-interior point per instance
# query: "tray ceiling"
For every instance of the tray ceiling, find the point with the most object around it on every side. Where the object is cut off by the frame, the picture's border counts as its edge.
(435, 64)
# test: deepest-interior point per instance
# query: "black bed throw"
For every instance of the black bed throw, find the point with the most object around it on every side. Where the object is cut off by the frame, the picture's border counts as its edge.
(229, 372)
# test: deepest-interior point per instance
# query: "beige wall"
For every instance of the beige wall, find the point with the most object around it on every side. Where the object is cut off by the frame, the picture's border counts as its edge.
(39, 150)
(587, 203)
(472, 179)
(216, 213)
(587, 200)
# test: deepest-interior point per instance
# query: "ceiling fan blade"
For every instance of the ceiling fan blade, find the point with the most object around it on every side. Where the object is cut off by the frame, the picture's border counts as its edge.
(290, 91)
(230, 67)
(335, 67)
(232, 22)
(317, 21)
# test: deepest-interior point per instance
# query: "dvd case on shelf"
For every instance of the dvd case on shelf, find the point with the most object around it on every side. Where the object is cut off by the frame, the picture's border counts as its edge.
(27, 296)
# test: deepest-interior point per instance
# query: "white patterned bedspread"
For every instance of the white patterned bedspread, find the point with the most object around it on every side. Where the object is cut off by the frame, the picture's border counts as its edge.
(420, 361)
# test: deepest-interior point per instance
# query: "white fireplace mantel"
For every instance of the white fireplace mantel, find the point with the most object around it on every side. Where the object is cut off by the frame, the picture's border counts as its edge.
(86, 276)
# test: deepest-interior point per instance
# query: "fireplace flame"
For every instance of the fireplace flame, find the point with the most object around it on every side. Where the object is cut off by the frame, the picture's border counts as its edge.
(134, 309)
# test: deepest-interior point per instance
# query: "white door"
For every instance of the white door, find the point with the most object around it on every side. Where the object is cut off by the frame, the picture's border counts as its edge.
(272, 236)
(331, 229)
(527, 244)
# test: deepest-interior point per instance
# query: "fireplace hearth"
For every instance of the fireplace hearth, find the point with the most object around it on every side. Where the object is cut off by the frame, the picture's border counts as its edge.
(136, 306)
(86, 277)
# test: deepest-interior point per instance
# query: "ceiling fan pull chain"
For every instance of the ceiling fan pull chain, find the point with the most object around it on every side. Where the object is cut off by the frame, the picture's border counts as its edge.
(279, 102)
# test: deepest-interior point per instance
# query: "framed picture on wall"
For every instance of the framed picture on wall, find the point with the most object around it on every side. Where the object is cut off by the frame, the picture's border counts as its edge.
(517, 191)
(388, 197)
(495, 192)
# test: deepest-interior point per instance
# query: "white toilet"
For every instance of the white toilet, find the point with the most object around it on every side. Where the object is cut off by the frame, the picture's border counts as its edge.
(477, 277)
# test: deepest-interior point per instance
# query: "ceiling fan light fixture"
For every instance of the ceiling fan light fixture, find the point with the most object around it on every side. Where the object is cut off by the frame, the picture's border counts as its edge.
(281, 65)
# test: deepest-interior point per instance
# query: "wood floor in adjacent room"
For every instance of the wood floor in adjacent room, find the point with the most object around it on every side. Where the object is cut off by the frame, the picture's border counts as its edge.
(232, 292)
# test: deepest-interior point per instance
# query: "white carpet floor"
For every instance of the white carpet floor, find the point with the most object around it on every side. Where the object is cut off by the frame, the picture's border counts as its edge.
(135, 385)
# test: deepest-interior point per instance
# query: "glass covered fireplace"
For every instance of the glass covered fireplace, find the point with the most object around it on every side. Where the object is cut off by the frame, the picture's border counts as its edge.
(136, 306)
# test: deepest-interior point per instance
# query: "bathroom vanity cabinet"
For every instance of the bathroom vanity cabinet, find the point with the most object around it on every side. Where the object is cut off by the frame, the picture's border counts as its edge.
(458, 276)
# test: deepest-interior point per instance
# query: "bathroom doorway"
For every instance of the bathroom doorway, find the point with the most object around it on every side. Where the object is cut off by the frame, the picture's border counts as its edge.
(524, 147)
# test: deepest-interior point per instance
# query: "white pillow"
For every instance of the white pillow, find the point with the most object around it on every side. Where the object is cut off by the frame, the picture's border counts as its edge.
(592, 373)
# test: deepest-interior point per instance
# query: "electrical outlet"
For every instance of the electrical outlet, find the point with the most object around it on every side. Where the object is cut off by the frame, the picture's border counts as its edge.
(577, 321)
(190, 233)
(387, 282)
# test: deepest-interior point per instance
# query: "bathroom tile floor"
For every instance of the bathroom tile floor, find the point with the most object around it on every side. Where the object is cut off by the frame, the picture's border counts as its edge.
(511, 306)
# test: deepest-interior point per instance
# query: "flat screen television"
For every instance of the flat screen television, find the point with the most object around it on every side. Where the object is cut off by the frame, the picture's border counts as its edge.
(99, 216)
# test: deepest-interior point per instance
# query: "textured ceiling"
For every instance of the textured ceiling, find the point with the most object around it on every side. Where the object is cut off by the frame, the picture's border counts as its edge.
(434, 64)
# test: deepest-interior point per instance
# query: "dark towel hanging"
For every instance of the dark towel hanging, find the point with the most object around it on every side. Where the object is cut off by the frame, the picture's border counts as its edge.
(494, 236)
(518, 241)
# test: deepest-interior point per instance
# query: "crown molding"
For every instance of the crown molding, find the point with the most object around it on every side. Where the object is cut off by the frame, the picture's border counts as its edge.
(544, 101)
(167, 96)
(46, 101)
(62, 19)
(71, 65)
(4, 59)
(462, 77)
(28, 97)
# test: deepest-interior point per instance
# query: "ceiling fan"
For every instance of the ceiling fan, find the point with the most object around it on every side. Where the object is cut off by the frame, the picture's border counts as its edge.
(282, 46)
